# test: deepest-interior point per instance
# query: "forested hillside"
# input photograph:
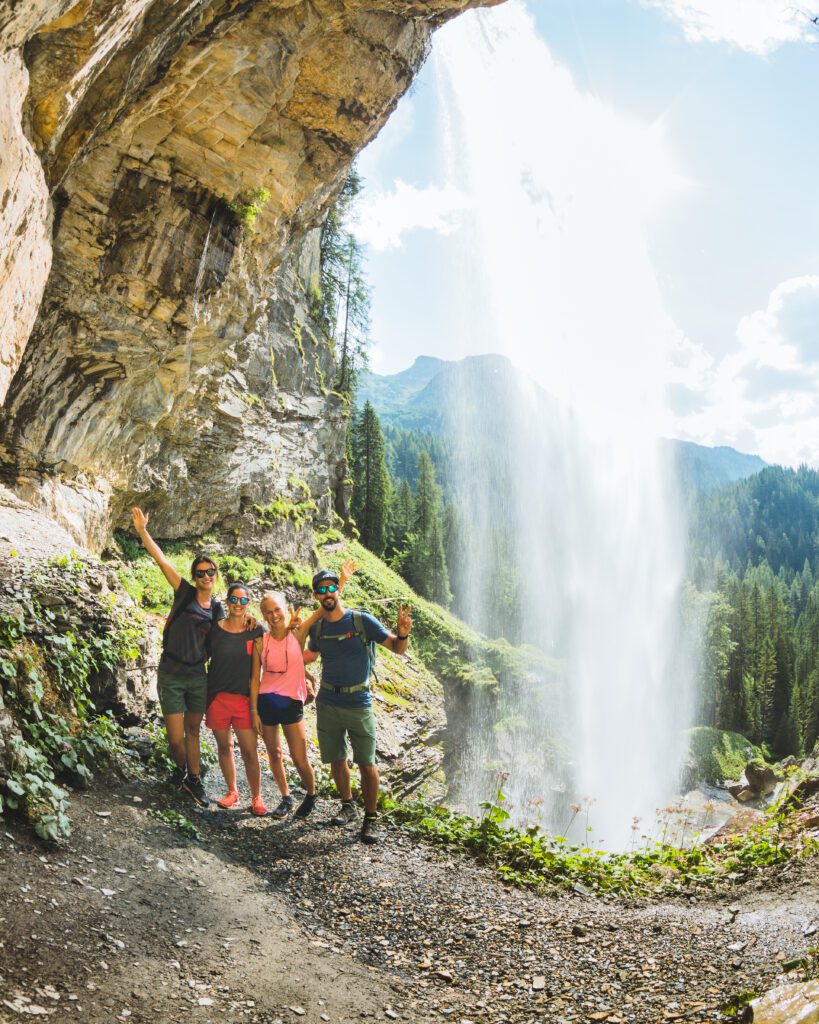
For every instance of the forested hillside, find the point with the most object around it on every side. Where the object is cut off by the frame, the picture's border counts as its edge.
(752, 598)
(755, 556)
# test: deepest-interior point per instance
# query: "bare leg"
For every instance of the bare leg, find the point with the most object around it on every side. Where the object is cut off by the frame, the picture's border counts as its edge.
(224, 744)
(297, 745)
(369, 787)
(341, 777)
(248, 739)
(193, 723)
(175, 727)
(270, 735)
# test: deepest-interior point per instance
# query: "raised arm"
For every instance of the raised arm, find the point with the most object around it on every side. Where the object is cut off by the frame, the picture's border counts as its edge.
(347, 571)
(301, 630)
(398, 641)
(140, 521)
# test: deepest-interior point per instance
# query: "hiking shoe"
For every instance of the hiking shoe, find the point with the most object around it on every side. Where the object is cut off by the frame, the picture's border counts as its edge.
(284, 808)
(230, 799)
(193, 785)
(306, 806)
(178, 776)
(370, 832)
(347, 813)
(257, 806)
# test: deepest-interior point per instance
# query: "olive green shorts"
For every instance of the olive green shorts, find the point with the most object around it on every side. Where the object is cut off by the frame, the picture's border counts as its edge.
(335, 724)
(178, 694)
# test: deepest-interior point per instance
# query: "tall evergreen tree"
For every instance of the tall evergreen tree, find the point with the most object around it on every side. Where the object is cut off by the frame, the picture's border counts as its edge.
(426, 568)
(371, 486)
(400, 523)
(342, 299)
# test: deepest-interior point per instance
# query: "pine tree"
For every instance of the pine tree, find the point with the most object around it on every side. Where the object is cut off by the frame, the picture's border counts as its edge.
(342, 299)
(399, 524)
(371, 486)
(426, 568)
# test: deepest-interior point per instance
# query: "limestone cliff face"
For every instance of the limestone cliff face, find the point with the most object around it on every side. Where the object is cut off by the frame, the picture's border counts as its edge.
(169, 356)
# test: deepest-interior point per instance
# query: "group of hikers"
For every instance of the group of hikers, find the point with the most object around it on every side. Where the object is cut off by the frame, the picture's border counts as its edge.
(249, 679)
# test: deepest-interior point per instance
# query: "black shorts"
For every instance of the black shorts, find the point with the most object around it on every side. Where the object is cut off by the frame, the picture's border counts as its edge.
(276, 709)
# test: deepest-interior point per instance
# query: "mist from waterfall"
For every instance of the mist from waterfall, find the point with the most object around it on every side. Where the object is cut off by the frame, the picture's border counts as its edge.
(569, 509)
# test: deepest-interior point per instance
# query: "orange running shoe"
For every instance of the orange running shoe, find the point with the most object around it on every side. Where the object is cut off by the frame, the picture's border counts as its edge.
(230, 799)
(257, 805)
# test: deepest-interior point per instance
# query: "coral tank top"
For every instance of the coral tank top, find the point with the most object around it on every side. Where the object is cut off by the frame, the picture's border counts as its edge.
(283, 667)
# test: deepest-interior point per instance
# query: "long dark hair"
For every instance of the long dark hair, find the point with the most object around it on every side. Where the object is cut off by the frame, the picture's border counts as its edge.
(203, 558)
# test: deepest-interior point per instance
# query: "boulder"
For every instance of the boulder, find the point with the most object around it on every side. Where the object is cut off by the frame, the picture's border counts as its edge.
(787, 1004)
(758, 780)
(762, 778)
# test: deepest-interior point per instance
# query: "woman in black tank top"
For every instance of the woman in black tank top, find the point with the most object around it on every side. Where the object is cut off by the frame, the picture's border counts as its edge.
(181, 679)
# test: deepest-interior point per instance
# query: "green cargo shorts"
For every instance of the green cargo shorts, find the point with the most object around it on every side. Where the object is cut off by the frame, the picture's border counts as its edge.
(335, 724)
(178, 694)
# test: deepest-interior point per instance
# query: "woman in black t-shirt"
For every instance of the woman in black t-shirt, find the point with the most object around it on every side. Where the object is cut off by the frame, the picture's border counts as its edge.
(181, 679)
(231, 657)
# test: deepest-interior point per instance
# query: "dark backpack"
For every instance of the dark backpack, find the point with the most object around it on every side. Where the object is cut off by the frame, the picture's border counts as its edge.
(217, 612)
(358, 630)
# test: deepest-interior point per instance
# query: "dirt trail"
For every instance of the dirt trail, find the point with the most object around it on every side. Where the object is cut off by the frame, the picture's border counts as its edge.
(266, 921)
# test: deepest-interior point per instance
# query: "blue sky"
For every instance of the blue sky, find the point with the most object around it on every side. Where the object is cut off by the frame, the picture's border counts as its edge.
(620, 195)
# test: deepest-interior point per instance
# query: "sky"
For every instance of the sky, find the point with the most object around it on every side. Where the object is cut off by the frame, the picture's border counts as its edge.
(618, 194)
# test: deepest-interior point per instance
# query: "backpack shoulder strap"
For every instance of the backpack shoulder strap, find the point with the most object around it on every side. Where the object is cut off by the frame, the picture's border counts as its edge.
(316, 630)
(369, 645)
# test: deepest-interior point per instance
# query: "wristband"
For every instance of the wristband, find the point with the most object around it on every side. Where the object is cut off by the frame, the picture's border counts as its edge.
(399, 637)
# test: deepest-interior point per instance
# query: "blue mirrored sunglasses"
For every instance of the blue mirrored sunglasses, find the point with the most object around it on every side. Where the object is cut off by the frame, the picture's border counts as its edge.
(330, 588)
(238, 600)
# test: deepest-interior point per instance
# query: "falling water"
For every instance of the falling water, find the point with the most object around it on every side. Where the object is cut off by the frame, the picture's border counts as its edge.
(569, 506)
(200, 270)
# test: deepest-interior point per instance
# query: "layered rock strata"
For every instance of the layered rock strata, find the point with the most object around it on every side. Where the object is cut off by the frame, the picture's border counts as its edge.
(174, 359)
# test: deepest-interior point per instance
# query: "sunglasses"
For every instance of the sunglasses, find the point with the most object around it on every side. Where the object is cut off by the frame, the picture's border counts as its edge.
(328, 589)
(199, 573)
(239, 600)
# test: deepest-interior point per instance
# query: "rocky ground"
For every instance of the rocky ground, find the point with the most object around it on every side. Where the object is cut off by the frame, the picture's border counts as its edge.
(262, 921)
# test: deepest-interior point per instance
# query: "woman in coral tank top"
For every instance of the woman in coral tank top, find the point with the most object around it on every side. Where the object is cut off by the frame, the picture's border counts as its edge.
(278, 692)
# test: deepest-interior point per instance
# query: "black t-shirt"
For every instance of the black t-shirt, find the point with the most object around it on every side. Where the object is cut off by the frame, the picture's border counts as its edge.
(231, 658)
(184, 642)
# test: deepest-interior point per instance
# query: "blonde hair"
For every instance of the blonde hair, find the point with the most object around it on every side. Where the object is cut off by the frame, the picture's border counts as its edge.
(274, 595)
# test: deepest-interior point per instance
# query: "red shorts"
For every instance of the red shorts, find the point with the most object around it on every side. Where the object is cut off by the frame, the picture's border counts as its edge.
(229, 709)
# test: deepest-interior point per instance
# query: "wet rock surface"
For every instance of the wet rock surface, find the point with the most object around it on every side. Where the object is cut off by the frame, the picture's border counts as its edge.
(262, 920)
(185, 155)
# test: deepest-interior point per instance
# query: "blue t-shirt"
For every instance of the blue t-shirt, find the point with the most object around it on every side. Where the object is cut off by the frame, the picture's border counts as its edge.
(345, 661)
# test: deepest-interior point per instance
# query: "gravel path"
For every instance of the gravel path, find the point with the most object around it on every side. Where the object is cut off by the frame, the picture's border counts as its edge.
(467, 947)
(270, 921)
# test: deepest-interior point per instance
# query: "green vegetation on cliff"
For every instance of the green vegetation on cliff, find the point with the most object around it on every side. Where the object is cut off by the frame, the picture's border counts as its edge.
(64, 633)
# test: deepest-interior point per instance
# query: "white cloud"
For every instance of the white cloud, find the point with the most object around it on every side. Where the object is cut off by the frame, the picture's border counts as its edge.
(757, 26)
(382, 218)
(764, 395)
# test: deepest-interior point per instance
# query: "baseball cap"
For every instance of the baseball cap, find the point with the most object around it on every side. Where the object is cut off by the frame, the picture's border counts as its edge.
(322, 575)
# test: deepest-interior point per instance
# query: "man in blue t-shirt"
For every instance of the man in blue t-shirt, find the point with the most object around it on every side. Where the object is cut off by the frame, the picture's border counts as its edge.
(344, 701)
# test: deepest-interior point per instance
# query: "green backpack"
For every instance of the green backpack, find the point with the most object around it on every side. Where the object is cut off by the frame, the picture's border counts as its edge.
(358, 630)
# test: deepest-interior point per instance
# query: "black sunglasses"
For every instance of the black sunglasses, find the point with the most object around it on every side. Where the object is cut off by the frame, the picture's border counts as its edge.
(331, 588)
(199, 573)
(238, 600)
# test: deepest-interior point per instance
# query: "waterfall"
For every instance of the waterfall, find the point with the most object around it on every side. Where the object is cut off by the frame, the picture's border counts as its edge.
(200, 270)
(573, 523)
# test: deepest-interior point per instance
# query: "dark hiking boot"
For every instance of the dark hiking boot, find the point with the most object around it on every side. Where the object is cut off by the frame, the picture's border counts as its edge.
(284, 808)
(347, 813)
(178, 776)
(370, 831)
(305, 808)
(193, 785)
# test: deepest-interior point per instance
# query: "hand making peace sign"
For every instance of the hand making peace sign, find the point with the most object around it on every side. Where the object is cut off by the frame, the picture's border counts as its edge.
(404, 621)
